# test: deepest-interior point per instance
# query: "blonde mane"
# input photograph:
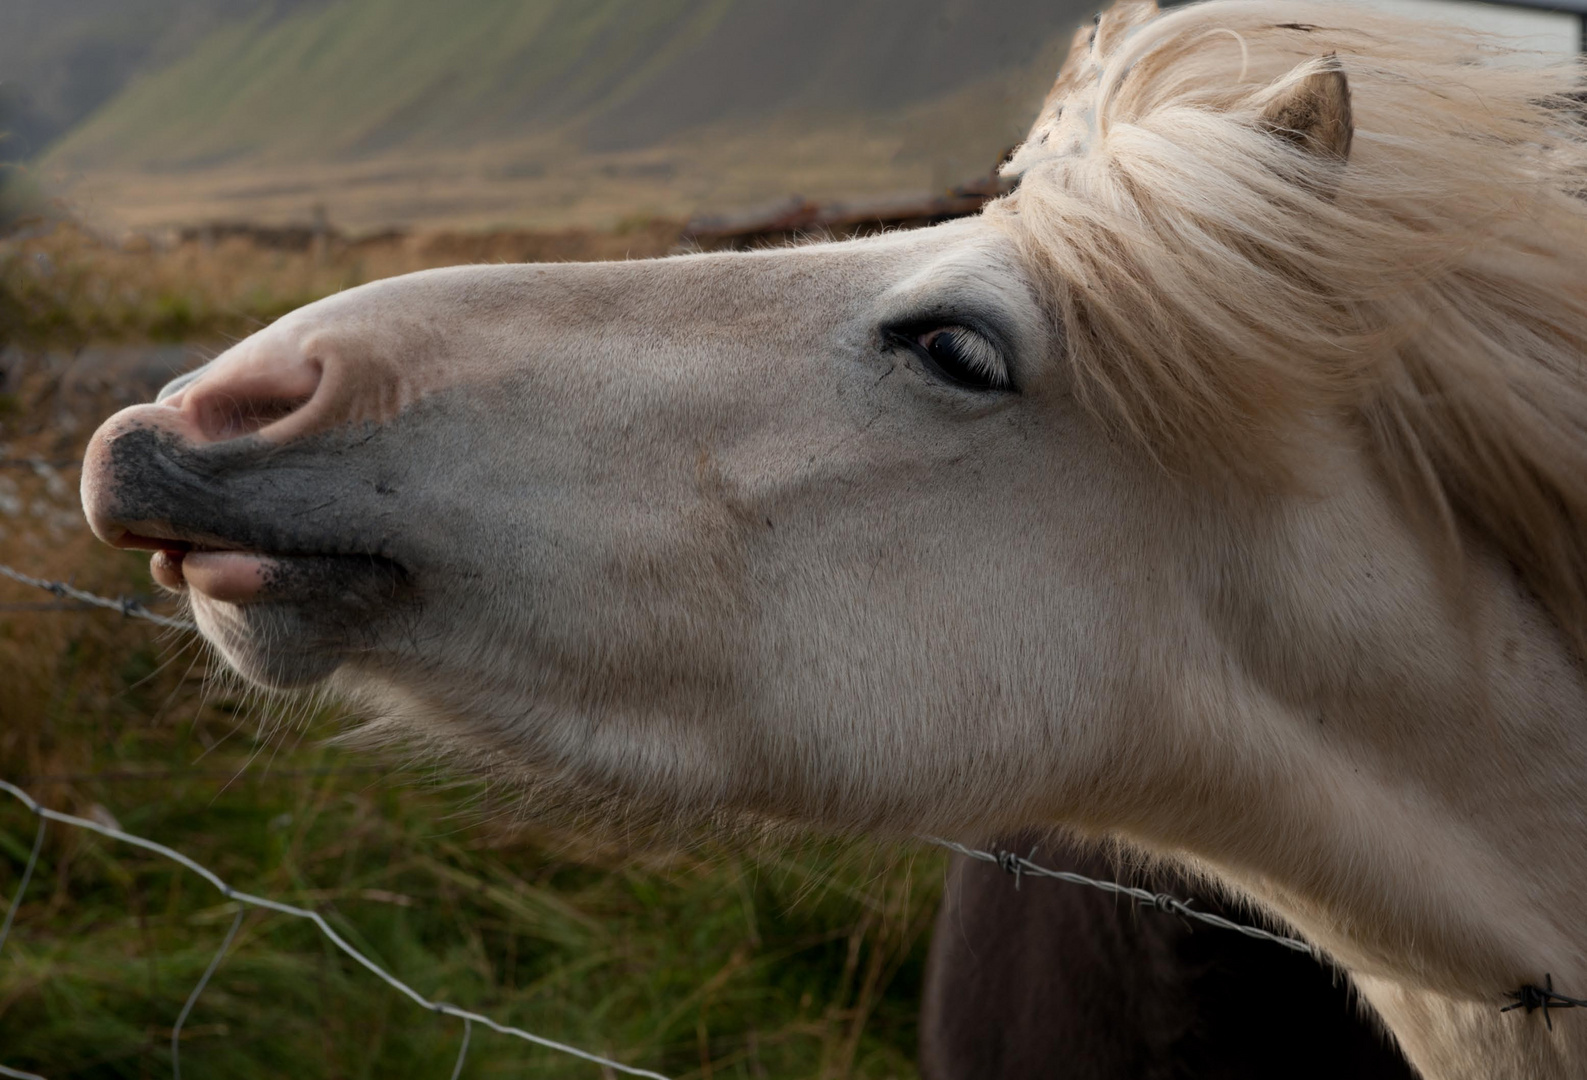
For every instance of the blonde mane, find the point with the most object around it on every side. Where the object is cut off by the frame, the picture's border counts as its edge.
(1225, 293)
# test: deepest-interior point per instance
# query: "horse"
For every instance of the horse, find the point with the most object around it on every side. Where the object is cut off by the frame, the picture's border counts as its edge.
(1220, 492)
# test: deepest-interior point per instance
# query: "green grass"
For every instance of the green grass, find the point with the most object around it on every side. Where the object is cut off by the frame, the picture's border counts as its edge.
(754, 963)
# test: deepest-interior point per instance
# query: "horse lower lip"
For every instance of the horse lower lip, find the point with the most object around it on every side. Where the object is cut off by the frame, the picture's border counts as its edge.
(236, 577)
(342, 582)
(167, 563)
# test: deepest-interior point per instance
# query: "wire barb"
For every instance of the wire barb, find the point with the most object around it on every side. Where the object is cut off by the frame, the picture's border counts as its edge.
(1009, 863)
(1532, 997)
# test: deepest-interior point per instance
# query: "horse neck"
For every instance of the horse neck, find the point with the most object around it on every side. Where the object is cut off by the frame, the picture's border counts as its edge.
(1411, 786)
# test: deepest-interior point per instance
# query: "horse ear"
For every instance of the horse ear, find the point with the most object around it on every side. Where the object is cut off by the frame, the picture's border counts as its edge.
(1313, 111)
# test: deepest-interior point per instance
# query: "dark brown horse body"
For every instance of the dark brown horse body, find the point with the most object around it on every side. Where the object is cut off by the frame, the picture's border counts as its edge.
(1056, 980)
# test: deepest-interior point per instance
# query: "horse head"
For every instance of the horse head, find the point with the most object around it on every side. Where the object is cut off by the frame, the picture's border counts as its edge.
(758, 530)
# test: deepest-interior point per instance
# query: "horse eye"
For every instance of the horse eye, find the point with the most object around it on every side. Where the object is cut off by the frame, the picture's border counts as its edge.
(962, 357)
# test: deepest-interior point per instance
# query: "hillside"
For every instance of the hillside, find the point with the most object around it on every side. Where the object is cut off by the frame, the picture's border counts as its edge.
(544, 98)
(61, 61)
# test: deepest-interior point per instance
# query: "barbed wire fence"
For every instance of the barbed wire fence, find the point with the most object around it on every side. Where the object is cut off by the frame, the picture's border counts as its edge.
(130, 607)
(38, 464)
(1017, 865)
(246, 900)
(1020, 866)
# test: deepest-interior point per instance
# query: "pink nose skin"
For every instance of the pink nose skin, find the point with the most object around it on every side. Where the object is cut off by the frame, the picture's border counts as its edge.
(253, 390)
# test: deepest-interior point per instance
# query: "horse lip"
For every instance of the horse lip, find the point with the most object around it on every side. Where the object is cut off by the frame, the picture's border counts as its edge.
(167, 538)
(160, 538)
(328, 581)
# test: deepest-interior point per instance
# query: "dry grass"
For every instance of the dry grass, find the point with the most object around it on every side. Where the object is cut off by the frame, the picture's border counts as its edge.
(67, 285)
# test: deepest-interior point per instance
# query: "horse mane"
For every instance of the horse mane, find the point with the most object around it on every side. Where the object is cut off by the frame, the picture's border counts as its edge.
(1224, 293)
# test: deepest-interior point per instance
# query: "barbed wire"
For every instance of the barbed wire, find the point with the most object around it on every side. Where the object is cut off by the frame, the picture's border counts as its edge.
(131, 607)
(1529, 997)
(228, 776)
(39, 463)
(247, 900)
(1018, 865)
(4, 1071)
(47, 605)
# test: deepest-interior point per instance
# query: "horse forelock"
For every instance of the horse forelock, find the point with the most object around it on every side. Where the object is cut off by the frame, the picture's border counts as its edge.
(1227, 297)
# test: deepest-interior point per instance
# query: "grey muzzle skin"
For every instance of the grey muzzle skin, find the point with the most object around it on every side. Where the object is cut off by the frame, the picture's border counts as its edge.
(346, 544)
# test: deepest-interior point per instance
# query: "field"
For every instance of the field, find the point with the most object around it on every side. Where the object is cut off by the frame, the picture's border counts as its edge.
(704, 959)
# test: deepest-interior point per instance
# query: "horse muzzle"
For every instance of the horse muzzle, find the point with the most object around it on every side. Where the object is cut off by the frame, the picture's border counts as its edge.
(285, 530)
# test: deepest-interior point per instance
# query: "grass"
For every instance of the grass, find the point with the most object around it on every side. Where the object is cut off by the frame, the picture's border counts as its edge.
(704, 962)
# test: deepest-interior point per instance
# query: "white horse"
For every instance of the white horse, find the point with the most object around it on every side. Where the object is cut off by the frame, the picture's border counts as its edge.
(1222, 490)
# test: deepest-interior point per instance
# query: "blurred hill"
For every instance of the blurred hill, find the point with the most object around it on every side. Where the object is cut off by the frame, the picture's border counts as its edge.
(489, 112)
(59, 61)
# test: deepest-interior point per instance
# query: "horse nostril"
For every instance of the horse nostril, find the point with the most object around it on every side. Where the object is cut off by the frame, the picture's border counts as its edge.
(230, 418)
(241, 401)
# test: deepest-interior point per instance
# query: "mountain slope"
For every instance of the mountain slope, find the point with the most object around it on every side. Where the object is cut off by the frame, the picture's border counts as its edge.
(478, 113)
(356, 77)
(61, 60)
